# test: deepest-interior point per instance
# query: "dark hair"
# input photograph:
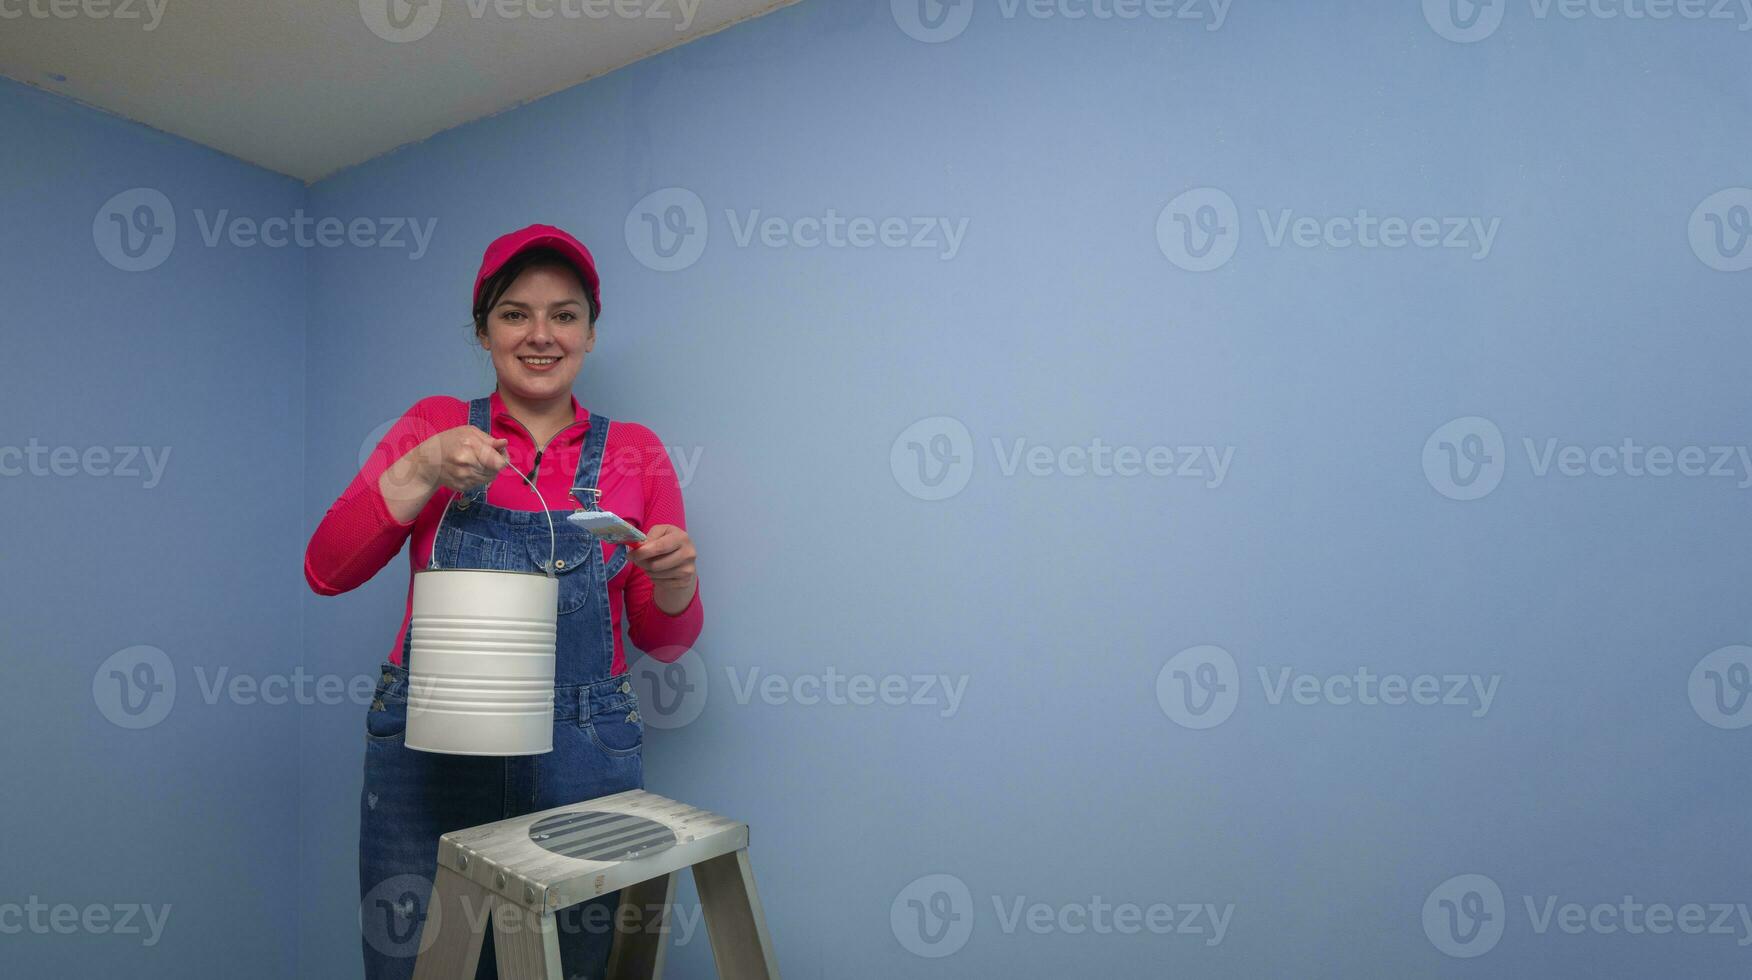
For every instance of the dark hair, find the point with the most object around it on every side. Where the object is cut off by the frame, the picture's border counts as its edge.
(493, 289)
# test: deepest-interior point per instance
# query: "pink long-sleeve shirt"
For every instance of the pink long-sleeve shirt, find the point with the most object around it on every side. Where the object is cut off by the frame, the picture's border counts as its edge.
(358, 535)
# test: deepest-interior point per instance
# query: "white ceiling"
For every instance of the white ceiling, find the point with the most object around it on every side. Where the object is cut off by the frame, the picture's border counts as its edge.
(309, 87)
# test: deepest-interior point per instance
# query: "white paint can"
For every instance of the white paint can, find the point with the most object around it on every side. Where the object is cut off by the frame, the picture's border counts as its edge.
(481, 659)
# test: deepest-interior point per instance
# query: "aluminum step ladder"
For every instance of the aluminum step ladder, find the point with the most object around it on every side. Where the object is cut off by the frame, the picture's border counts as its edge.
(525, 869)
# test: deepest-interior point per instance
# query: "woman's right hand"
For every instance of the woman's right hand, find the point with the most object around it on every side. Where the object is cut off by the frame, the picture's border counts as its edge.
(461, 458)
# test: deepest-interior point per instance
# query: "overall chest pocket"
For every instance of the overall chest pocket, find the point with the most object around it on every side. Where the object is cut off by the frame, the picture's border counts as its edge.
(465, 549)
(576, 553)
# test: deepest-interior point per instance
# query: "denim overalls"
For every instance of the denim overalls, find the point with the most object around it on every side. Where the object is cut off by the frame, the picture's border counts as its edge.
(410, 797)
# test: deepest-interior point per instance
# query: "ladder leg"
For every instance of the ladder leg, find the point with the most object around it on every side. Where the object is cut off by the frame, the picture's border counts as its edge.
(526, 944)
(458, 912)
(734, 920)
(641, 929)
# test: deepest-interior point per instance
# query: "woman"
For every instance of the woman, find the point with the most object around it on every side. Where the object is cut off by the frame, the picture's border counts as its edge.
(536, 300)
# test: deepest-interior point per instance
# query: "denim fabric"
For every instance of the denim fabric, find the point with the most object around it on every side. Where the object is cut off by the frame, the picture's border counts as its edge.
(410, 798)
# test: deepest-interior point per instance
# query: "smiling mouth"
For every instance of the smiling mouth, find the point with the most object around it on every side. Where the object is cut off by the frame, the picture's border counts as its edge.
(539, 362)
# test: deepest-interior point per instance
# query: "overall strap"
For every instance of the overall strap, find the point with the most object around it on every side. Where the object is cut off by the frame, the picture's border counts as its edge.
(480, 415)
(590, 458)
(589, 476)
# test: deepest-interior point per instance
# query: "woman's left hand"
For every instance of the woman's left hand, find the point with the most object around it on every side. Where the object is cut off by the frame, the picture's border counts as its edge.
(667, 556)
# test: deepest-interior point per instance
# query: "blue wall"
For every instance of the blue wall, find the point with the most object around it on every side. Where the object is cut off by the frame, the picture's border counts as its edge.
(1156, 675)
(151, 455)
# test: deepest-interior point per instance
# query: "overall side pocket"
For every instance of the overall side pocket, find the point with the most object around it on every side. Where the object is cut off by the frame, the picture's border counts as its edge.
(616, 727)
(387, 718)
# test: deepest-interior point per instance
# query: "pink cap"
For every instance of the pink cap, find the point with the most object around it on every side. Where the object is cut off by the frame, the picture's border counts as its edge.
(540, 236)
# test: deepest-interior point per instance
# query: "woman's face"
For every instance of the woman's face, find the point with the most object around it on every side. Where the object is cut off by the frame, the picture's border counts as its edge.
(539, 332)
